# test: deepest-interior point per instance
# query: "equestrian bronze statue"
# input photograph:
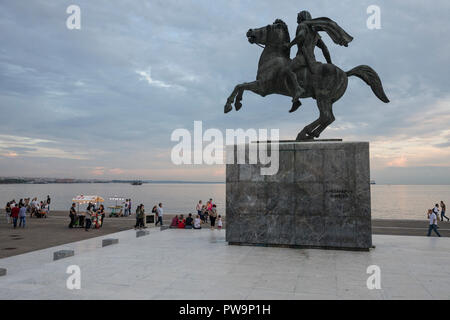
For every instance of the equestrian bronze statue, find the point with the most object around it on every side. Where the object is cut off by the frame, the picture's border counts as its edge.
(303, 76)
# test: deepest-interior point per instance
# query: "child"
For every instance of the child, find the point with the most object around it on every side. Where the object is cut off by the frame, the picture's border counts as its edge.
(219, 222)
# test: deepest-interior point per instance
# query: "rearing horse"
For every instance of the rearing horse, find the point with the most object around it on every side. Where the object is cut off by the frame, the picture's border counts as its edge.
(326, 84)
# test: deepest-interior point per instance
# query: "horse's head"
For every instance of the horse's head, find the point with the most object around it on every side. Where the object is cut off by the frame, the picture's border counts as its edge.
(275, 34)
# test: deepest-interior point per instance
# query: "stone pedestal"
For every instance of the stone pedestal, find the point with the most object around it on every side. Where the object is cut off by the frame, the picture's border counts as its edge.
(319, 198)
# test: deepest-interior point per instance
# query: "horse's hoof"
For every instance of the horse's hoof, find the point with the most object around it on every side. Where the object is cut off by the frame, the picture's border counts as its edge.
(228, 108)
(304, 137)
(295, 106)
(237, 106)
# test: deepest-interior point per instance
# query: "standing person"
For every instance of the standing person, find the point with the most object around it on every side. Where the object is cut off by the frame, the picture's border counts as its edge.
(199, 207)
(155, 212)
(219, 222)
(213, 216)
(125, 210)
(140, 214)
(436, 210)
(204, 214)
(72, 215)
(48, 202)
(8, 212)
(129, 206)
(15, 215)
(433, 223)
(87, 218)
(102, 213)
(443, 209)
(22, 215)
(160, 214)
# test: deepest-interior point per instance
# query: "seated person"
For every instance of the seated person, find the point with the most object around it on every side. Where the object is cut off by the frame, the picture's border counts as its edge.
(181, 222)
(197, 222)
(175, 221)
(189, 221)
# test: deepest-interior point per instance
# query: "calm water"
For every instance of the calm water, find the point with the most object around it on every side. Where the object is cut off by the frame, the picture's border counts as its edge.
(388, 201)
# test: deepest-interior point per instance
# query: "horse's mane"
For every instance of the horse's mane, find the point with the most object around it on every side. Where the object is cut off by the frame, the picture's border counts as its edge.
(285, 29)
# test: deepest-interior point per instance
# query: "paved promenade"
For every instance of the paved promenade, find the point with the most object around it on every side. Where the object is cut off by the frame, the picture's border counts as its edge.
(198, 264)
(53, 231)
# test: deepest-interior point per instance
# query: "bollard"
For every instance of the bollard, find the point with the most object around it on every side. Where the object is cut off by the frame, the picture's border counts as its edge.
(2, 272)
(108, 242)
(142, 233)
(61, 254)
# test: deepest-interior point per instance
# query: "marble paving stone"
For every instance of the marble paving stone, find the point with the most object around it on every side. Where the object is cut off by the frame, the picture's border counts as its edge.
(411, 268)
(320, 197)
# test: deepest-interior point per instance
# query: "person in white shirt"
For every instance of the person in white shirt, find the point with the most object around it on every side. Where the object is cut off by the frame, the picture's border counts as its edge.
(436, 210)
(160, 212)
(197, 222)
(433, 221)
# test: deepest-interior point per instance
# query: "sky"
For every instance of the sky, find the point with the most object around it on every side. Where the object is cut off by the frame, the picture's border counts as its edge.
(102, 101)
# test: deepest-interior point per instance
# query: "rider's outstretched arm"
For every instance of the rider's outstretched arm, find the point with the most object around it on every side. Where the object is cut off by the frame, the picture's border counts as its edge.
(298, 38)
(325, 51)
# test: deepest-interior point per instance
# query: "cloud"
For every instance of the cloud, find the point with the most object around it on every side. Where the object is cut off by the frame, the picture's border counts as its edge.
(146, 75)
(91, 97)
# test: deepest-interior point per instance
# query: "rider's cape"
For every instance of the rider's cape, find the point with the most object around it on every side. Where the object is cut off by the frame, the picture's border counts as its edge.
(336, 33)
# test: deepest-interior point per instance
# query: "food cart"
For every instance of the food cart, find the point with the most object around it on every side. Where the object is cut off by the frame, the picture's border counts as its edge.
(116, 210)
(82, 199)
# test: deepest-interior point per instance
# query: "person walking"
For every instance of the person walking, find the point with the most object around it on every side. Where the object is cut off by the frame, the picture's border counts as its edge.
(8, 212)
(15, 215)
(213, 216)
(87, 219)
(436, 210)
(140, 213)
(433, 223)
(160, 212)
(443, 210)
(72, 215)
(48, 202)
(22, 215)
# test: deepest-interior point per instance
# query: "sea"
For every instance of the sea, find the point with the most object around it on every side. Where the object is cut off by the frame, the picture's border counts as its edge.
(388, 201)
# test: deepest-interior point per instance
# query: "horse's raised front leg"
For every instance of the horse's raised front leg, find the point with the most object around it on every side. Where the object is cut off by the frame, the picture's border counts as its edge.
(238, 91)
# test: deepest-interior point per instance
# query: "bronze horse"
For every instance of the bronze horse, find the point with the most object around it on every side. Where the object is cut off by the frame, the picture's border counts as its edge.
(326, 84)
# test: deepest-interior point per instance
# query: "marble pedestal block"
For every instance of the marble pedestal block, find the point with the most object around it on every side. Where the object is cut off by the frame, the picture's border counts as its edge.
(319, 198)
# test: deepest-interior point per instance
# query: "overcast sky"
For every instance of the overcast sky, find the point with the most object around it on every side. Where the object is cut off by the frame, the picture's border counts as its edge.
(102, 102)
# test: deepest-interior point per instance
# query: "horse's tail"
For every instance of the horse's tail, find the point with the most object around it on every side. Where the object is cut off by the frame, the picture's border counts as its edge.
(369, 76)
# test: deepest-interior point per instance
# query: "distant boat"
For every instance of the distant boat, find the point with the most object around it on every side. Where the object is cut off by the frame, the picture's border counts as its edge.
(136, 183)
(372, 182)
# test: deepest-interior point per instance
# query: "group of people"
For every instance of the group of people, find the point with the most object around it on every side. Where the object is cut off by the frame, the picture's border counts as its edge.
(93, 217)
(208, 211)
(127, 208)
(18, 211)
(433, 217)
